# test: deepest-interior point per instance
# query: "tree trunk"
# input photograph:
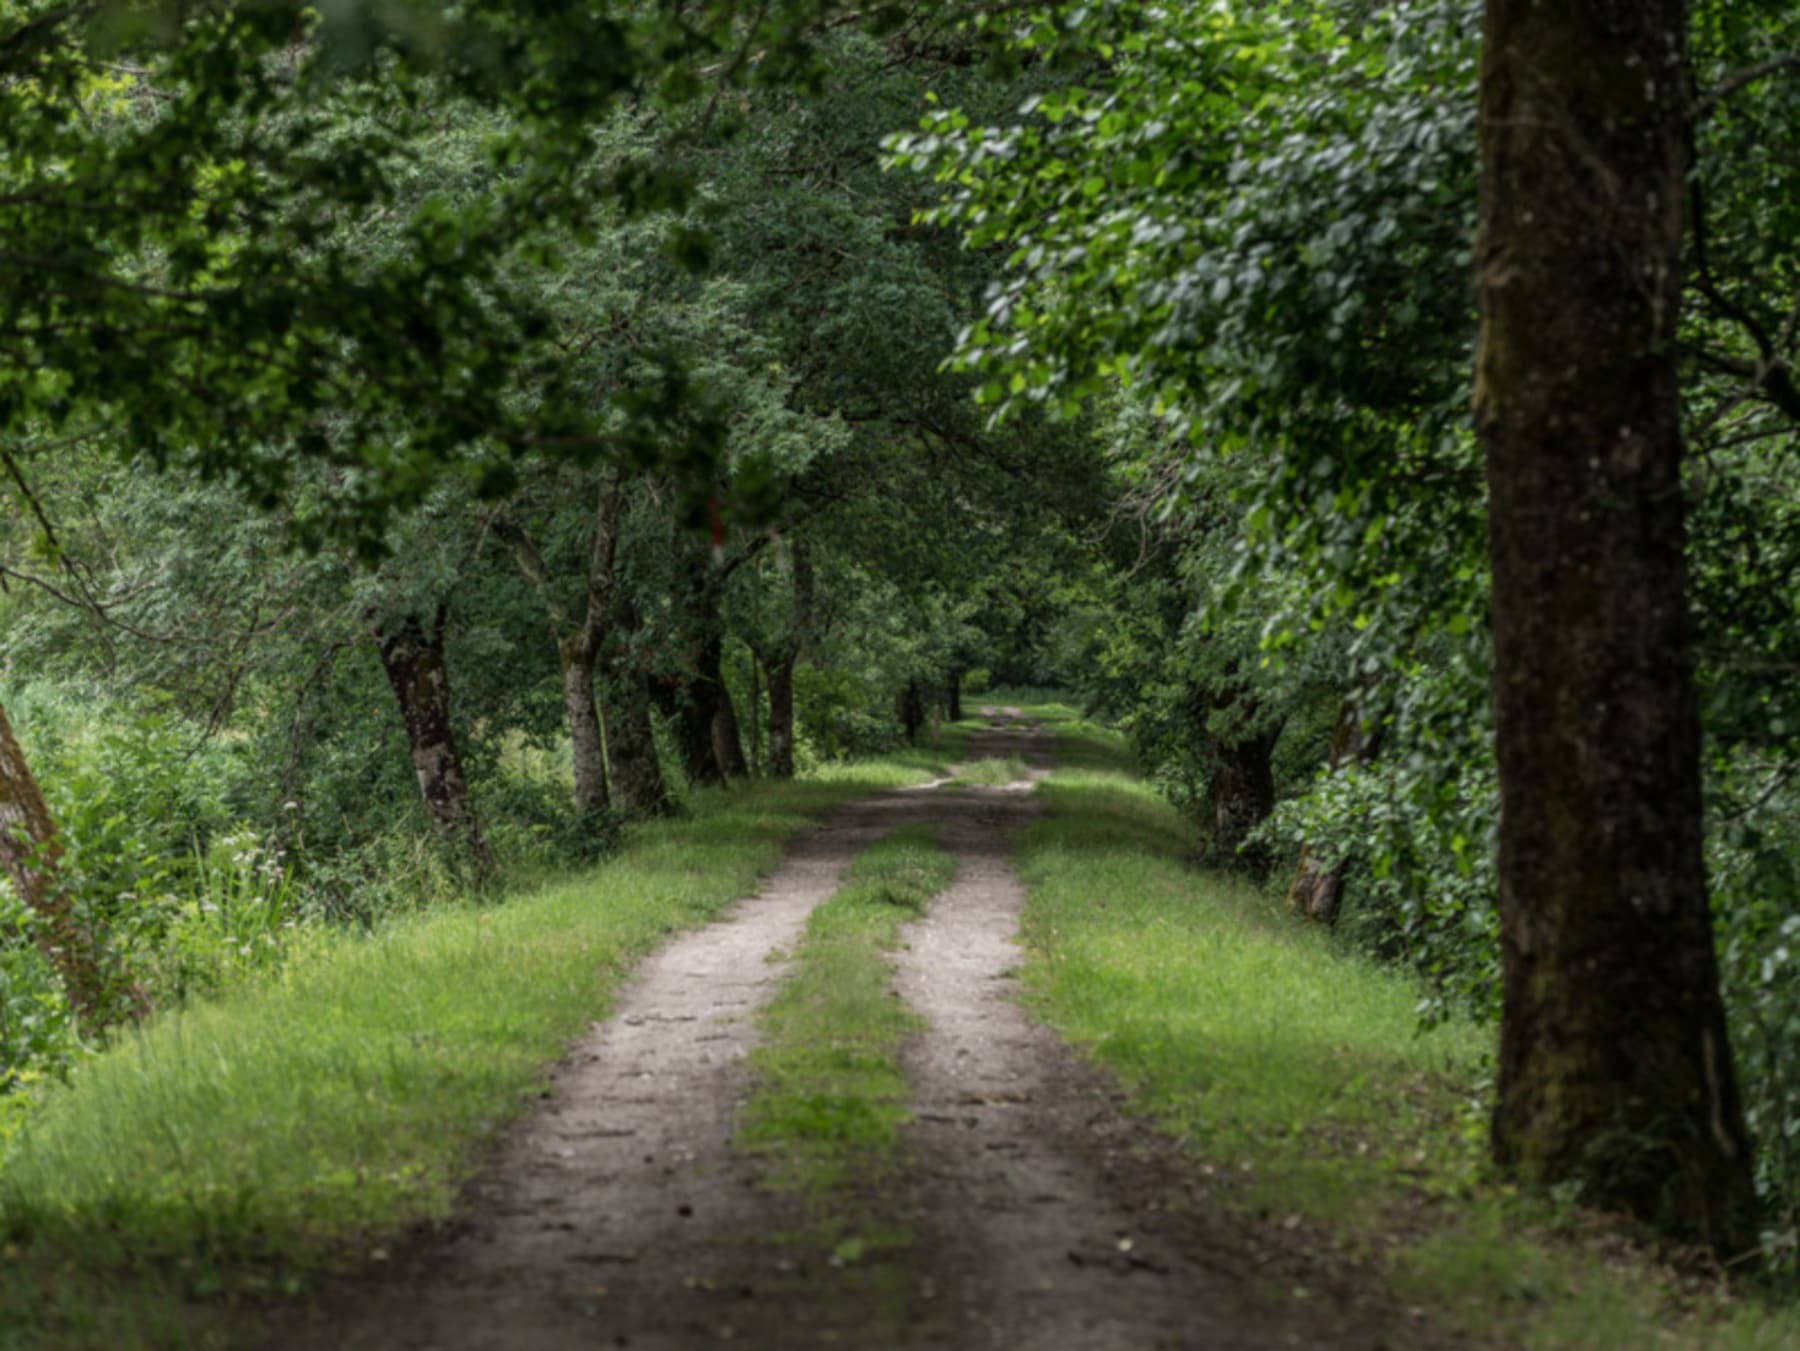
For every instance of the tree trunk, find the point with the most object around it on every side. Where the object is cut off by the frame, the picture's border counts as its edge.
(786, 658)
(30, 853)
(578, 637)
(909, 707)
(637, 778)
(638, 784)
(1615, 1074)
(781, 714)
(413, 658)
(1317, 892)
(1240, 781)
(953, 694)
(720, 718)
(1240, 794)
(691, 720)
(582, 710)
(755, 715)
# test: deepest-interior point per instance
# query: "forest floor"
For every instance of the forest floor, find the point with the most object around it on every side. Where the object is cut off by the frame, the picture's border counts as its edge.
(1022, 1207)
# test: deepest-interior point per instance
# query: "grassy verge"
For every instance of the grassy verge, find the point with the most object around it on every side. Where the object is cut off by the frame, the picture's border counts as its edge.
(232, 1149)
(830, 1098)
(1300, 1077)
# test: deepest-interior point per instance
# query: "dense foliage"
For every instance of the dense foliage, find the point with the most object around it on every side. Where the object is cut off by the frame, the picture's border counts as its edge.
(655, 408)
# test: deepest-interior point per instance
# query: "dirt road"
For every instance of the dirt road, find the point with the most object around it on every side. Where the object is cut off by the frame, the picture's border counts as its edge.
(620, 1215)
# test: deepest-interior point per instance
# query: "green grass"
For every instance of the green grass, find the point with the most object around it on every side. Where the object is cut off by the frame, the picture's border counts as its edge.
(994, 772)
(236, 1147)
(1300, 1077)
(830, 1098)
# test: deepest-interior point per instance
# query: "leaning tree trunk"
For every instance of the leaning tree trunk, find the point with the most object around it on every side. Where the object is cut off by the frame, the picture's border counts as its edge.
(1317, 891)
(1615, 1074)
(413, 657)
(30, 854)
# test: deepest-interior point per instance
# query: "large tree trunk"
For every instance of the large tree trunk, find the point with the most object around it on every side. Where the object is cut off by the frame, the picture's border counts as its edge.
(413, 657)
(1317, 891)
(1615, 1073)
(30, 853)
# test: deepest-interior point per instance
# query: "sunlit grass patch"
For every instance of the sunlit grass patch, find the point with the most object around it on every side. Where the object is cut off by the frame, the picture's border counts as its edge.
(236, 1145)
(831, 1097)
(994, 772)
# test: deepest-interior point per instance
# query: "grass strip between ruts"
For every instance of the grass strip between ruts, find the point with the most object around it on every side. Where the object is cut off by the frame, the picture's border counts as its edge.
(1299, 1074)
(830, 1097)
(224, 1154)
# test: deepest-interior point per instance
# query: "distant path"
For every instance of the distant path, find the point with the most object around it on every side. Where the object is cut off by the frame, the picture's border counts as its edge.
(619, 1215)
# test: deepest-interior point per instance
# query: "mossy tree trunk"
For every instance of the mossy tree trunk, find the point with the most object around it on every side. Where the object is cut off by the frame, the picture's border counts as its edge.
(30, 855)
(1615, 1074)
(412, 654)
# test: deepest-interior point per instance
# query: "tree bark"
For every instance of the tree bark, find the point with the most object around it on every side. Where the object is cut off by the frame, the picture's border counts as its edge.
(578, 638)
(781, 714)
(637, 777)
(909, 707)
(413, 657)
(30, 853)
(715, 741)
(1317, 892)
(1615, 1073)
(953, 694)
(783, 661)
(581, 708)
